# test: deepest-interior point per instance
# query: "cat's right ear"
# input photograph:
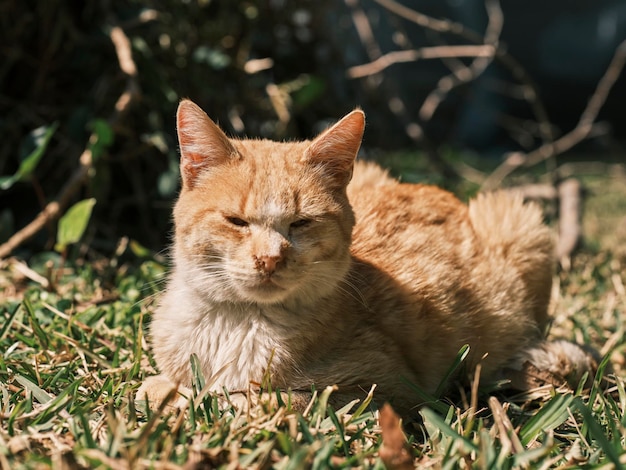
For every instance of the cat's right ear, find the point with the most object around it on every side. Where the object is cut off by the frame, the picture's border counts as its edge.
(335, 149)
(202, 143)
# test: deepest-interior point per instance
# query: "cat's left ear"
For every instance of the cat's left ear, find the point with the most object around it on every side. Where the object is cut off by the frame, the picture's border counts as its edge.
(335, 149)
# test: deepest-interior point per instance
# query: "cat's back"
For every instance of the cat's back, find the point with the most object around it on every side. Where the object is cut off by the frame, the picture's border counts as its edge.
(436, 269)
(398, 223)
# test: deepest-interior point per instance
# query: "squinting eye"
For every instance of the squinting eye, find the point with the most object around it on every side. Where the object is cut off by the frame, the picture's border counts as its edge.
(300, 223)
(237, 221)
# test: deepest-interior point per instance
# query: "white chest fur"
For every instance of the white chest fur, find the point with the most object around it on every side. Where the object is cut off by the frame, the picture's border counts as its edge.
(233, 350)
(234, 344)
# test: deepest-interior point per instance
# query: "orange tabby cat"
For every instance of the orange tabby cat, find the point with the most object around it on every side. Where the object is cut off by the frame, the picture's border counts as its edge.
(290, 255)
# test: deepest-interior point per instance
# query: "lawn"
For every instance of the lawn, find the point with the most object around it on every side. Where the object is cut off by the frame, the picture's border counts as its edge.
(73, 351)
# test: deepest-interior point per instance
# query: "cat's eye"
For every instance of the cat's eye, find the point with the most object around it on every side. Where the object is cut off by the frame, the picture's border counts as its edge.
(237, 221)
(300, 223)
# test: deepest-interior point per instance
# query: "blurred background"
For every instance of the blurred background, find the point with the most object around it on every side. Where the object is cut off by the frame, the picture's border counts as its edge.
(467, 83)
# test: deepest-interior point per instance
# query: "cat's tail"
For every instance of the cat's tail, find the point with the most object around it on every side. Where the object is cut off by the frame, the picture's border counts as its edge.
(512, 231)
(506, 224)
(556, 362)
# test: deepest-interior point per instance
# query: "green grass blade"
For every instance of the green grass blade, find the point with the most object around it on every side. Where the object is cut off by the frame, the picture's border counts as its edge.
(363, 406)
(34, 323)
(596, 433)
(444, 428)
(40, 395)
(551, 415)
(340, 430)
(303, 426)
(425, 398)
(597, 382)
(4, 329)
(458, 361)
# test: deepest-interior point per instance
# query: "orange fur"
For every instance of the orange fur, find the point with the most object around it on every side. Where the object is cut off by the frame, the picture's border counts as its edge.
(278, 259)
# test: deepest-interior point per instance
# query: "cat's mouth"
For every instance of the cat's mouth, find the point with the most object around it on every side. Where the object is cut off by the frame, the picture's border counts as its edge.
(268, 283)
(266, 289)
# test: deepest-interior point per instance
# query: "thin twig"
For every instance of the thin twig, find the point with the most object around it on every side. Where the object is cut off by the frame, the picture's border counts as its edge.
(54, 209)
(536, 191)
(364, 30)
(586, 127)
(411, 55)
(604, 86)
(412, 128)
(501, 54)
(519, 159)
(471, 72)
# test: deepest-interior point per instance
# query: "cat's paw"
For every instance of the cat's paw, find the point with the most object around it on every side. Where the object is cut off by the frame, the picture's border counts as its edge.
(240, 401)
(251, 401)
(248, 402)
(158, 388)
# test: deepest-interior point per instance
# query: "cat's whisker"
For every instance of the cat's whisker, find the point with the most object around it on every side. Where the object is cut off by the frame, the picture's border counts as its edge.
(352, 290)
(359, 295)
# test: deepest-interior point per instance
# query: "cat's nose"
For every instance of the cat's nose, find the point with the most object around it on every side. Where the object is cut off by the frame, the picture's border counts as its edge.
(267, 264)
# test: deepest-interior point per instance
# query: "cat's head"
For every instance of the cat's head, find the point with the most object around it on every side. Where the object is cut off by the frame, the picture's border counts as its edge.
(261, 221)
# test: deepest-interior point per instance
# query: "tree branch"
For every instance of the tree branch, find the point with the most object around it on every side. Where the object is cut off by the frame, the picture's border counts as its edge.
(54, 209)
(412, 128)
(586, 127)
(530, 93)
(471, 72)
(411, 55)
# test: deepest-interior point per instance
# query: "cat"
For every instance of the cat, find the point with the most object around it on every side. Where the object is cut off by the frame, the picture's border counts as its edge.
(293, 262)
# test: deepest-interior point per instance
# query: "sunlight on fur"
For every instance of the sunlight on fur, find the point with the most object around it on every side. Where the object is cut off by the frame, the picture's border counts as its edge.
(342, 275)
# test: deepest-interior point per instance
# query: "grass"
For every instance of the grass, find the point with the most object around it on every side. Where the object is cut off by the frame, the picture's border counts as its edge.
(72, 354)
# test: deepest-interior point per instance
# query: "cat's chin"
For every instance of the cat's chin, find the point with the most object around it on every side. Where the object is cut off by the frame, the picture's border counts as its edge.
(264, 292)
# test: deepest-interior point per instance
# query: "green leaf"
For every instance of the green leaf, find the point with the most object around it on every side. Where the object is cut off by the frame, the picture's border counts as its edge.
(73, 224)
(310, 92)
(103, 137)
(40, 137)
(138, 249)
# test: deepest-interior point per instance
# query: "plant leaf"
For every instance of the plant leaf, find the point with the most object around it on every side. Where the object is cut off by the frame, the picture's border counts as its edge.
(41, 138)
(73, 224)
(103, 137)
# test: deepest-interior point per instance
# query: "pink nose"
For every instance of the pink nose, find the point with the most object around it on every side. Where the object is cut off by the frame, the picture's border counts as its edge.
(266, 263)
